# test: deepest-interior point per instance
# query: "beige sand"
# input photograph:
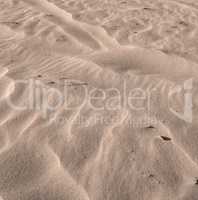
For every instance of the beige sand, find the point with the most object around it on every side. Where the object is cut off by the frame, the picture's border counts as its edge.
(68, 128)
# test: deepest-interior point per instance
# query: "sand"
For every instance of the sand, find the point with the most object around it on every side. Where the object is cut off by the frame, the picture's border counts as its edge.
(98, 100)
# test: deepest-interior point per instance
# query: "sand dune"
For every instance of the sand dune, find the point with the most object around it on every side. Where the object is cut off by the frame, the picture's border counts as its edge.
(84, 116)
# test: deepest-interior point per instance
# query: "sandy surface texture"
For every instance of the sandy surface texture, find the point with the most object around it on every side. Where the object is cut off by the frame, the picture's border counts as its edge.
(98, 100)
